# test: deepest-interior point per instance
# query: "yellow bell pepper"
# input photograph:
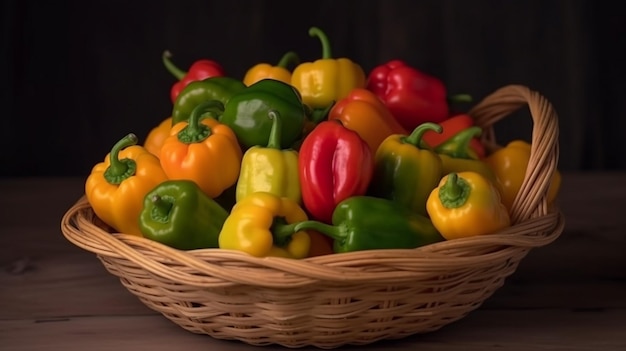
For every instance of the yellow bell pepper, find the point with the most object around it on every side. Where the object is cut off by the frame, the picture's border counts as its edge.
(157, 136)
(116, 187)
(263, 224)
(509, 166)
(270, 169)
(204, 151)
(327, 79)
(280, 72)
(466, 204)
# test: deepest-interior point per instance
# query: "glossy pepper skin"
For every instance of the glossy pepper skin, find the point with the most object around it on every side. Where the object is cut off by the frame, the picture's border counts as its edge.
(509, 165)
(452, 126)
(115, 188)
(327, 79)
(246, 113)
(270, 168)
(404, 172)
(466, 204)
(199, 70)
(370, 223)
(279, 72)
(262, 224)
(214, 88)
(362, 111)
(334, 164)
(157, 136)
(457, 156)
(204, 151)
(412, 96)
(178, 214)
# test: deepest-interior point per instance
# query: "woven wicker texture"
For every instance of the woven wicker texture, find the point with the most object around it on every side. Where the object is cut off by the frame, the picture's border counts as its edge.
(353, 298)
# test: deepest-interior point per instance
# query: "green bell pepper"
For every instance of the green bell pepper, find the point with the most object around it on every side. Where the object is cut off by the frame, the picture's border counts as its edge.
(178, 214)
(195, 93)
(405, 172)
(369, 223)
(246, 113)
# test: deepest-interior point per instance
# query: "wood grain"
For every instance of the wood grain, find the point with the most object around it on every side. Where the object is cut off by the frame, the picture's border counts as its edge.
(569, 295)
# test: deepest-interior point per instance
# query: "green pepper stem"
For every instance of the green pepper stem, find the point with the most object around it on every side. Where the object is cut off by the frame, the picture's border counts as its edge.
(161, 208)
(175, 71)
(326, 50)
(276, 131)
(119, 170)
(332, 231)
(195, 131)
(453, 99)
(415, 137)
(288, 58)
(458, 145)
(454, 192)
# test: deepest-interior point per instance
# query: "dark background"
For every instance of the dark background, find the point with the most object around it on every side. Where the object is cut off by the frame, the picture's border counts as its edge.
(78, 75)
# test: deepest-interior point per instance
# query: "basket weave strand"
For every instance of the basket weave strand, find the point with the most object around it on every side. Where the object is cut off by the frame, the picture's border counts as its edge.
(350, 298)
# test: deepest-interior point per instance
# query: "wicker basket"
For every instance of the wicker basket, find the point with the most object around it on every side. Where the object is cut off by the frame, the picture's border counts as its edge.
(352, 298)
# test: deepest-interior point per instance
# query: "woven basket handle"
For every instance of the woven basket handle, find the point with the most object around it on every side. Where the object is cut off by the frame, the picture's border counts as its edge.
(531, 199)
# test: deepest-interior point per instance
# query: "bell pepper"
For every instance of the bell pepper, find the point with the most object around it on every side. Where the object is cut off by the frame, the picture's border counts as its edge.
(177, 213)
(261, 225)
(457, 156)
(115, 188)
(370, 223)
(270, 169)
(412, 96)
(199, 70)
(246, 113)
(334, 164)
(265, 70)
(450, 127)
(327, 79)
(509, 165)
(203, 150)
(157, 136)
(404, 172)
(363, 112)
(197, 92)
(466, 204)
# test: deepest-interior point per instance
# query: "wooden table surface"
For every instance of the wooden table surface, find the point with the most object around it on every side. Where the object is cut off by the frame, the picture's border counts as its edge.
(569, 295)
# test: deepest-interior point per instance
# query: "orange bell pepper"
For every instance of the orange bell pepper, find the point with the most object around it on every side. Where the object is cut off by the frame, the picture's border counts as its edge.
(509, 165)
(363, 112)
(203, 150)
(157, 136)
(116, 187)
(279, 72)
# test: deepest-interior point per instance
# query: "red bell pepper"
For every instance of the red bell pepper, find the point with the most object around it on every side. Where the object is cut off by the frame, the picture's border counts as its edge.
(334, 163)
(199, 70)
(451, 127)
(412, 96)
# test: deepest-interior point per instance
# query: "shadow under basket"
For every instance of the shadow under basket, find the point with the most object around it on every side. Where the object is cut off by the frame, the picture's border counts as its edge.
(352, 298)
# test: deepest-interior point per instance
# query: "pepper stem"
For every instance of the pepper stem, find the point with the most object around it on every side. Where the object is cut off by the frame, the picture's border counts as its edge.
(281, 231)
(326, 50)
(458, 145)
(160, 209)
(276, 131)
(415, 138)
(458, 98)
(332, 231)
(195, 131)
(175, 71)
(454, 192)
(288, 58)
(119, 170)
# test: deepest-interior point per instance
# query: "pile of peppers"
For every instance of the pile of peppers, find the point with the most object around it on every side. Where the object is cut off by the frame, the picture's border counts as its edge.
(302, 159)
